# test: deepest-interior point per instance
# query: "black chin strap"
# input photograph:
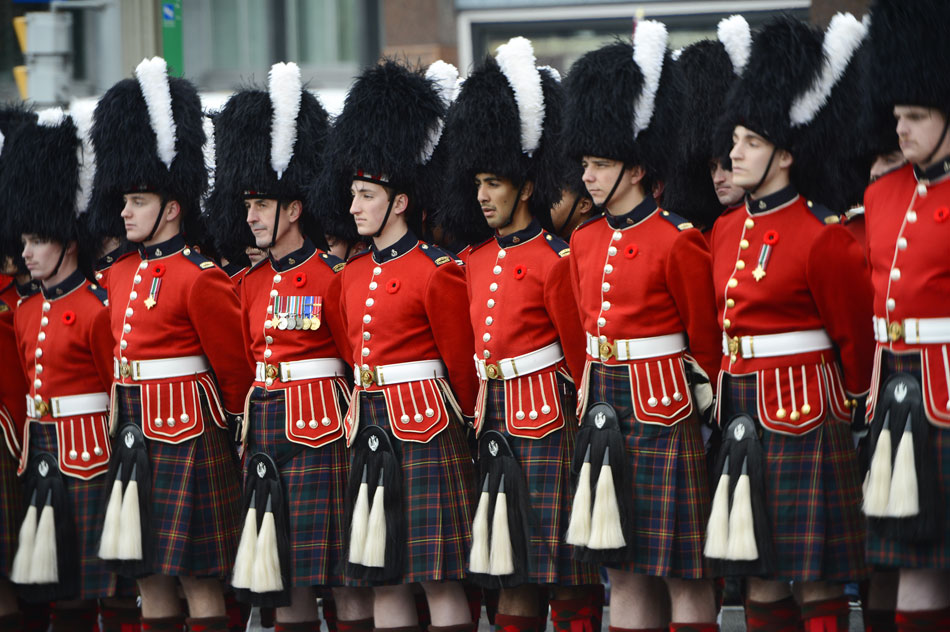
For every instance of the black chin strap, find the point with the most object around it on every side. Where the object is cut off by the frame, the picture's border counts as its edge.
(946, 126)
(577, 200)
(158, 220)
(613, 189)
(59, 262)
(768, 167)
(389, 209)
(514, 207)
(273, 235)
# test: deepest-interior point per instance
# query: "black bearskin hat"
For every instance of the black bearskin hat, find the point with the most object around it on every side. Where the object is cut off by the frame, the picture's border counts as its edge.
(148, 135)
(11, 116)
(703, 73)
(385, 133)
(505, 121)
(619, 102)
(268, 144)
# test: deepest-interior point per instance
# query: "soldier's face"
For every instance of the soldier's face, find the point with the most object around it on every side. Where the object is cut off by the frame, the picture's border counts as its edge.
(41, 256)
(260, 217)
(726, 191)
(920, 131)
(497, 198)
(751, 156)
(886, 163)
(600, 176)
(368, 208)
(139, 214)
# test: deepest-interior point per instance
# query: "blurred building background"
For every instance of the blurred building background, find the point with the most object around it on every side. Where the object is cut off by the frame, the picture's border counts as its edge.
(78, 48)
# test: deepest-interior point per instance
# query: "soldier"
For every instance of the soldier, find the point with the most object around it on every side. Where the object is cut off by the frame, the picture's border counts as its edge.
(295, 338)
(501, 134)
(63, 344)
(907, 498)
(180, 369)
(793, 299)
(642, 279)
(410, 495)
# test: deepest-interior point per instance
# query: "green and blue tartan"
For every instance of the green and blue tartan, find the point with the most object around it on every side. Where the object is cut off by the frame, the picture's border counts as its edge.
(934, 555)
(813, 494)
(314, 483)
(195, 497)
(546, 464)
(670, 482)
(438, 496)
(85, 500)
(10, 511)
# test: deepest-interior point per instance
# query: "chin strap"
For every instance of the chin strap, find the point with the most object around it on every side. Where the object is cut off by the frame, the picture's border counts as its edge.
(514, 207)
(946, 126)
(768, 167)
(613, 189)
(273, 235)
(59, 262)
(158, 220)
(389, 209)
(577, 200)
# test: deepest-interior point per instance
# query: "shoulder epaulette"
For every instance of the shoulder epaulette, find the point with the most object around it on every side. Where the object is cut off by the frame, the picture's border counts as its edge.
(557, 244)
(333, 262)
(679, 221)
(439, 257)
(589, 221)
(824, 214)
(4, 307)
(198, 259)
(357, 255)
(475, 247)
(99, 292)
(732, 209)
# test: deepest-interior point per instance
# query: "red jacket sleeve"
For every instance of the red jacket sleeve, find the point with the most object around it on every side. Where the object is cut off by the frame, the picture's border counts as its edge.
(12, 387)
(445, 292)
(841, 287)
(334, 315)
(101, 344)
(215, 313)
(690, 281)
(562, 308)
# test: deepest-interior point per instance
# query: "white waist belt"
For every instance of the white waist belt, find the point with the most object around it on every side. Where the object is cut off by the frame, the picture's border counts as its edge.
(913, 330)
(164, 368)
(312, 369)
(68, 405)
(599, 347)
(774, 345)
(524, 364)
(386, 374)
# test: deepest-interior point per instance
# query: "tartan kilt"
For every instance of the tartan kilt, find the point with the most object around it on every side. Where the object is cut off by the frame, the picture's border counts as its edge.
(932, 555)
(546, 464)
(313, 481)
(813, 494)
(85, 500)
(195, 497)
(670, 495)
(438, 497)
(10, 510)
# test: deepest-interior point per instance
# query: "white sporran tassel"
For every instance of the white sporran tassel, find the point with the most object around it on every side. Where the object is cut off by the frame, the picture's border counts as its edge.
(247, 548)
(359, 522)
(717, 530)
(578, 526)
(879, 474)
(266, 576)
(605, 529)
(44, 565)
(478, 561)
(109, 544)
(741, 544)
(130, 533)
(501, 558)
(903, 500)
(375, 554)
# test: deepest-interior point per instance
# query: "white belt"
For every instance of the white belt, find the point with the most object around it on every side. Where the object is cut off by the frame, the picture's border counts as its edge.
(913, 330)
(774, 345)
(164, 368)
(68, 405)
(312, 369)
(599, 347)
(386, 374)
(524, 364)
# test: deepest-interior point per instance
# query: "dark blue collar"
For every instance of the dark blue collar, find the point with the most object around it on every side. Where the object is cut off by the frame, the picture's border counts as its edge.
(405, 243)
(65, 286)
(295, 258)
(772, 201)
(162, 249)
(934, 172)
(639, 213)
(114, 255)
(520, 236)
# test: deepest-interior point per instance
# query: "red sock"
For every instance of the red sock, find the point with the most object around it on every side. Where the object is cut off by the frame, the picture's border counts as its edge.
(923, 620)
(879, 621)
(356, 625)
(74, 619)
(774, 616)
(616, 629)
(207, 624)
(826, 615)
(238, 613)
(512, 623)
(164, 624)
(572, 615)
(473, 594)
(299, 626)
(118, 619)
(694, 627)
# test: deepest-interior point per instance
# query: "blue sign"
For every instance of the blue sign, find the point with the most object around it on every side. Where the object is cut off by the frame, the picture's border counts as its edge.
(168, 11)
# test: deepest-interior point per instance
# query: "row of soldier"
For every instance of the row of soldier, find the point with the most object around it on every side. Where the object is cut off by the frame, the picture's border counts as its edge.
(676, 395)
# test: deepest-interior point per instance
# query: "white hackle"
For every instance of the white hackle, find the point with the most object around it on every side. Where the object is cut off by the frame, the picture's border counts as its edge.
(285, 92)
(517, 62)
(736, 38)
(152, 75)
(649, 48)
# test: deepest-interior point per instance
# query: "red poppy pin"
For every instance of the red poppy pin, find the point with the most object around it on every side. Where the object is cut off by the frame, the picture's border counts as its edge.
(520, 271)
(158, 270)
(771, 237)
(941, 214)
(300, 279)
(392, 286)
(69, 317)
(631, 251)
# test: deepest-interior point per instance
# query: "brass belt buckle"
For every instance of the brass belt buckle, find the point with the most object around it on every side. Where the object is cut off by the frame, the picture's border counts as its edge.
(367, 377)
(606, 350)
(734, 346)
(42, 408)
(125, 370)
(895, 331)
(270, 372)
(492, 371)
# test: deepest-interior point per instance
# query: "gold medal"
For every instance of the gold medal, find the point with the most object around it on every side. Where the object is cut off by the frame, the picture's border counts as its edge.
(314, 324)
(306, 324)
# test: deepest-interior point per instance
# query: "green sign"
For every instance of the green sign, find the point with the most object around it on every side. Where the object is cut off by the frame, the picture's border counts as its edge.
(172, 40)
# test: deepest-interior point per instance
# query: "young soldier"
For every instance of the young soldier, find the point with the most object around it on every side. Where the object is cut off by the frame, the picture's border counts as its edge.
(906, 213)
(642, 280)
(177, 328)
(503, 177)
(410, 355)
(793, 299)
(63, 341)
(295, 339)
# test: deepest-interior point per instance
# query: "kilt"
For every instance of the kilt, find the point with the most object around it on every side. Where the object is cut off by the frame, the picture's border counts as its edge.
(10, 511)
(314, 481)
(85, 499)
(670, 483)
(813, 494)
(195, 497)
(438, 497)
(546, 464)
(932, 555)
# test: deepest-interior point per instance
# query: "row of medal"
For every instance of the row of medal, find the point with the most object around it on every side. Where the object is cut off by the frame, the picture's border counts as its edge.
(301, 313)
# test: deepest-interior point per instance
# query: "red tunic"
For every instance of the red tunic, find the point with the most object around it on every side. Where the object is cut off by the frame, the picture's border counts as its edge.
(291, 313)
(908, 229)
(12, 379)
(64, 344)
(104, 264)
(521, 301)
(400, 305)
(814, 278)
(645, 274)
(169, 301)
